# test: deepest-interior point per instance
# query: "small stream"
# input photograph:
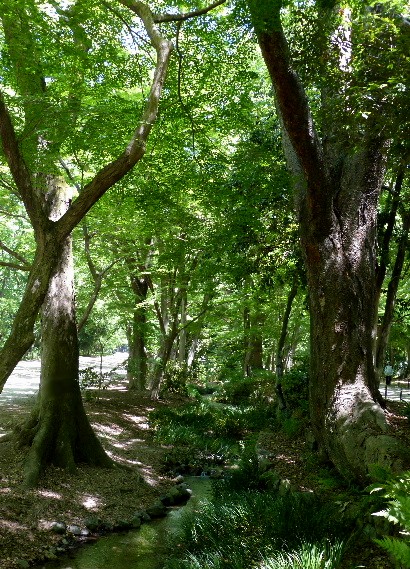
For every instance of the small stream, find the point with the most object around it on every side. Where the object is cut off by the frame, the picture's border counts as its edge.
(144, 548)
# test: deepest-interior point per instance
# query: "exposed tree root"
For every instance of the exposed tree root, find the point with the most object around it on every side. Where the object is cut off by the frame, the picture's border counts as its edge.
(60, 434)
(359, 438)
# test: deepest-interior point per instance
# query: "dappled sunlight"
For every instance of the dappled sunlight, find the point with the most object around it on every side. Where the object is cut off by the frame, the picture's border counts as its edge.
(5, 490)
(108, 429)
(12, 526)
(148, 476)
(91, 502)
(49, 494)
(284, 458)
(141, 421)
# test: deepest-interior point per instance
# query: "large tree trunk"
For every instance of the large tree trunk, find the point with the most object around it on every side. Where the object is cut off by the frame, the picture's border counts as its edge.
(337, 193)
(341, 276)
(58, 431)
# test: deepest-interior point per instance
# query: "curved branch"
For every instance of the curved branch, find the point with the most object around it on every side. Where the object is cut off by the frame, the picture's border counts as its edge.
(116, 170)
(294, 111)
(181, 17)
(15, 255)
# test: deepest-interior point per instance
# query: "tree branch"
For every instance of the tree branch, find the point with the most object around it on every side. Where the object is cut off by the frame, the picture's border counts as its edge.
(15, 266)
(294, 111)
(15, 255)
(116, 170)
(181, 17)
(17, 165)
(87, 240)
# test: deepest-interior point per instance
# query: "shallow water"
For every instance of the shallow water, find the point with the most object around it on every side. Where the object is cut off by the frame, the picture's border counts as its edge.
(144, 548)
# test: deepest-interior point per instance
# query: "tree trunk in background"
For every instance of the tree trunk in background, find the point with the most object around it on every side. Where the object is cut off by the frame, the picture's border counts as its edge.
(279, 363)
(256, 343)
(384, 329)
(137, 357)
(253, 341)
(182, 355)
(58, 430)
(160, 366)
(246, 334)
(407, 372)
(337, 190)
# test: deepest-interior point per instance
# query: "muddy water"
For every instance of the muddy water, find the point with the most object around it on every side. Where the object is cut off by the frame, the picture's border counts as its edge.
(144, 548)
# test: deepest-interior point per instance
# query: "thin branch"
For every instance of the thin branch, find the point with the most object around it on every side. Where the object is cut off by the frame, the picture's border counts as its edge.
(194, 319)
(15, 266)
(15, 255)
(87, 240)
(69, 174)
(13, 215)
(181, 17)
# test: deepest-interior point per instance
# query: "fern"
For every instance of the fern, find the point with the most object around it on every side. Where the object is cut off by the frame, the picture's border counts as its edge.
(397, 548)
(397, 511)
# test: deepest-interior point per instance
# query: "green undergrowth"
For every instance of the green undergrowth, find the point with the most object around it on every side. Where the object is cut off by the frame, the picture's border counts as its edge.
(266, 530)
(204, 433)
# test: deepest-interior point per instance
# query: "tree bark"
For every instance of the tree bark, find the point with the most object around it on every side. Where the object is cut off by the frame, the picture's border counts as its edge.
(337, 194)
(163, 357)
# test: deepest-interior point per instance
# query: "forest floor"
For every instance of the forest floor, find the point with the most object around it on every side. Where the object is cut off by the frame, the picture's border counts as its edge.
(121, 420)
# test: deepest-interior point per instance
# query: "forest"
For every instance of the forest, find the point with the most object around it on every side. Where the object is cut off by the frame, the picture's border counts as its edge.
(204, 245)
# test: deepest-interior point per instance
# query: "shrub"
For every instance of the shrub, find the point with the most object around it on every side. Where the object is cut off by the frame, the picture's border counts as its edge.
(175, 378)
(240, 390)
(89, 378)
(295, 385)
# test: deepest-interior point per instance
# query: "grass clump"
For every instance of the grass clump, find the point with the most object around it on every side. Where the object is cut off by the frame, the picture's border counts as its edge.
(237, 530)
(308, 556)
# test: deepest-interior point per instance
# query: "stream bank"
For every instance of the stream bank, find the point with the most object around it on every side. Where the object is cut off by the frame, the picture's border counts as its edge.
(120, 419)
(143, 548)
